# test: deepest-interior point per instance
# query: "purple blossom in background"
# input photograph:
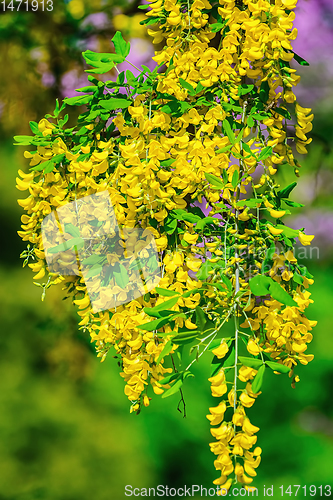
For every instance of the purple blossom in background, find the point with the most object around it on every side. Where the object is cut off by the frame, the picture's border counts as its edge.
(48, 79)
(141, 53)
(72, 80)
(314, 21)
(98, 20)
(320, 223)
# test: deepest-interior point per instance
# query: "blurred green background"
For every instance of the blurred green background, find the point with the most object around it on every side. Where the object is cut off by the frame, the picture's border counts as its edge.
(65, 428)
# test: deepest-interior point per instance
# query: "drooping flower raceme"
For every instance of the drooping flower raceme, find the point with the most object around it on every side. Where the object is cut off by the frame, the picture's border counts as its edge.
(208, 129)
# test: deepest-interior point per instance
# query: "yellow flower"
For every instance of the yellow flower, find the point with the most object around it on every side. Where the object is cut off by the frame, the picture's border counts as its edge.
(252, 347)
(246, 400)
(274, 230)
(45, 127)
(305, 239)
(190, 238)
(277, 213)
(219, 390)
(190, 325)
(221, 350)
(248, 428)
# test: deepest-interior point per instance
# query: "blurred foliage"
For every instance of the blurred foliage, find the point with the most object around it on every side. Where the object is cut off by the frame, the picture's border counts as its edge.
(65, 429)
(40, 48)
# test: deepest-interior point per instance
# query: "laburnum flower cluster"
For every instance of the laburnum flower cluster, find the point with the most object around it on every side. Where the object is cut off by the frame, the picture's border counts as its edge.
(191, 152)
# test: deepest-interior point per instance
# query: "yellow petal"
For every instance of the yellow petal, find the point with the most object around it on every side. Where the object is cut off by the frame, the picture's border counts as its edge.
(277, 213)
(221, 350)
(253, 347)
(305, 239)
(274, 230)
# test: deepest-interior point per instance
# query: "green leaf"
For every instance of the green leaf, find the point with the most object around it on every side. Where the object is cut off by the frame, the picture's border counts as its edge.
(167, 163)
(260, 117)
(99, 58)
(297, 278)
(206, 220)
(67, 245)
(199, 88)
(78, 100)
(240, 136)
(285, 192)
(103, 62)
(93, 259)
(175, 388)
(283, 112)
(121, 46)
(121, 276)
(203, 272)
(215, 181)
(215, 27)
(235, 179)
(293, 203)
(226, 282)
(181, 214)
(251, 203)
(56, 109)
(250, 121)
(152, 20)
(63, 121)
(224, 150)
(49, 165)
(189, 292)
(91, 88)
(280, 294)
(300, 60)
(264, 91)
(72, 230)
(174, 377)
(201, 319)
(305, 272)
(172, 107)
(228, 130)
(251, 362)
(34, 128)
(96, 269)
(185, 337)
(269, 255)
(187, 86)
(23, 140)
(155, 324)
(265, 153)
(112, 104)
(166, 293)
(258, 379)
(288, 231)
(166, 350)
(170, 226)
(259, 285)
(278, 367)
(245, 89)
(170, 378)
(161, 307)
